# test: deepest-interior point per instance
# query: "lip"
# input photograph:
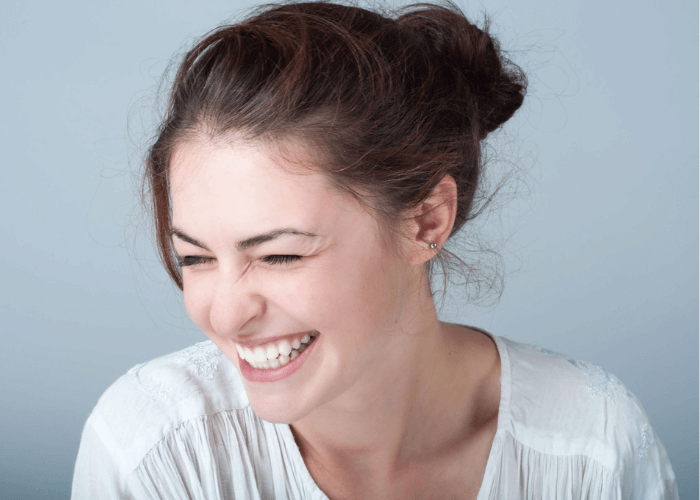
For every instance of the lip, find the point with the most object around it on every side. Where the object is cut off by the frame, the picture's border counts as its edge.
(267, 340)
(273, 375)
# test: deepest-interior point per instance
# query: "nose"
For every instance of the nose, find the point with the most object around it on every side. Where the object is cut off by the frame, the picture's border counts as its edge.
(235, 304)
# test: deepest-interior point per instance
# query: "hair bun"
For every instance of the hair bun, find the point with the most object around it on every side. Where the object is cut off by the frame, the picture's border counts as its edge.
(492, 83)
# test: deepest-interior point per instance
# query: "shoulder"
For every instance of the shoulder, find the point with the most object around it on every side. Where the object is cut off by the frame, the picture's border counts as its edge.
(561, 405)
(564, 406)
(153, 398)
(181, 426)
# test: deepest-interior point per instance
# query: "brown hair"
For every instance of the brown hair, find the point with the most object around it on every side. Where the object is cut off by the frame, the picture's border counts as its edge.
(390, 103)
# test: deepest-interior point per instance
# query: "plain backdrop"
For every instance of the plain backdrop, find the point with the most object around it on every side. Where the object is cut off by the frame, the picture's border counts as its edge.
(600, 241)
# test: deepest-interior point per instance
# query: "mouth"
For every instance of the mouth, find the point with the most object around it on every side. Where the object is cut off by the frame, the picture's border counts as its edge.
(275, 354)
(276, 360)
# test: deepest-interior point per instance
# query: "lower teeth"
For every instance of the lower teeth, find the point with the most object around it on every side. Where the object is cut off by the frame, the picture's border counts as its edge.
(271, 364)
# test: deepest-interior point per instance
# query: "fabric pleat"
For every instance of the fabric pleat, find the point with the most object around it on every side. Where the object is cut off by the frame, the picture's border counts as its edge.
(231, 454)
(527, 474)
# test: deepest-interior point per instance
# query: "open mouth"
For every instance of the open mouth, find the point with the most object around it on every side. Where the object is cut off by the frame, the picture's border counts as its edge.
(276, 355)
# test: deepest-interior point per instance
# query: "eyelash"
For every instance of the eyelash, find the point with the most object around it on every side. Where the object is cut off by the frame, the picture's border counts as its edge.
(281, 259)
(270, 259)
(191, 260)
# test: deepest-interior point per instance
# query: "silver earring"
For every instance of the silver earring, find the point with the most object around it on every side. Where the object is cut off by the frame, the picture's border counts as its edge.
(433, 246)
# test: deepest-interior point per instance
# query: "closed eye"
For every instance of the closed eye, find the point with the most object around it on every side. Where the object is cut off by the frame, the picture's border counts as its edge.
(192, 260)
(281, 259)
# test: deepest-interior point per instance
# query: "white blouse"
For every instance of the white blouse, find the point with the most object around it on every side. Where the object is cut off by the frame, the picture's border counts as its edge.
(180, 427)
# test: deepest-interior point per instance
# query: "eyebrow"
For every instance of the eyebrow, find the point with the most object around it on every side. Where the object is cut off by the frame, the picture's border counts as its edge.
(247, 243)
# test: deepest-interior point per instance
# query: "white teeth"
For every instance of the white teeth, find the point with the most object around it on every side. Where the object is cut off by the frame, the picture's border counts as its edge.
(272, 351)
(277, 354)
(259, 354)
(284, 347)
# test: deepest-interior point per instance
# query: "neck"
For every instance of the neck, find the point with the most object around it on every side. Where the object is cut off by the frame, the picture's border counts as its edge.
(413, 405)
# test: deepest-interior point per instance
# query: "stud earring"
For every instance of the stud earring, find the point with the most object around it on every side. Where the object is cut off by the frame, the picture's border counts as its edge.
(433, 246)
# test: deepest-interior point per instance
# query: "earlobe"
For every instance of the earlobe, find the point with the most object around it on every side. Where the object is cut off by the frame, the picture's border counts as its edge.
(434, 219)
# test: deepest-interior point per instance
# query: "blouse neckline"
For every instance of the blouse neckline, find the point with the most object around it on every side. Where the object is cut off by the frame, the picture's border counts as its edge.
(491, 462)
(503, 414)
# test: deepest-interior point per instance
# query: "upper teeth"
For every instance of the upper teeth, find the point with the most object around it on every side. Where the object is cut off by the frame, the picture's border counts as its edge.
(271, 351)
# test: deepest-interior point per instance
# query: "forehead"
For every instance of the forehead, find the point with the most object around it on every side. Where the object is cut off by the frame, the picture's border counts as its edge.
(245, 188)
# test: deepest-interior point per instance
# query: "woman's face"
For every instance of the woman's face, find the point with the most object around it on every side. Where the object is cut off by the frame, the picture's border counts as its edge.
(342, 285)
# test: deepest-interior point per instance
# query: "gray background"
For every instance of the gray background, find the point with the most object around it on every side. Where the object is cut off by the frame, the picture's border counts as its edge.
(602, 241)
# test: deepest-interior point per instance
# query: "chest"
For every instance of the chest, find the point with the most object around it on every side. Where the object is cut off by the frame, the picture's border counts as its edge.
(458, 474)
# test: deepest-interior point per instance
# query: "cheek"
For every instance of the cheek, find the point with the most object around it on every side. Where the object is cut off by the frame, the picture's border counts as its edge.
(301, 296)
(354, 295)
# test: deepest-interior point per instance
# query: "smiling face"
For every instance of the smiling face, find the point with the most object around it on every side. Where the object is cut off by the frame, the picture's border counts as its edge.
(240, 292)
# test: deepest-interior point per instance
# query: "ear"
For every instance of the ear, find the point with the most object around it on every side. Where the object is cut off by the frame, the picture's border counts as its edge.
(432, 221)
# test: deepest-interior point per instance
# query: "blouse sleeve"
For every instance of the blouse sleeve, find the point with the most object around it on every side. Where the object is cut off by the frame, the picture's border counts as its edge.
(179, 428)
(582, 431)
(99, 468)
(641, 462)
(648, 475)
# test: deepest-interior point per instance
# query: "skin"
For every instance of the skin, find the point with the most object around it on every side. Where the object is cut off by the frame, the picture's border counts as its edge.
(392, 402)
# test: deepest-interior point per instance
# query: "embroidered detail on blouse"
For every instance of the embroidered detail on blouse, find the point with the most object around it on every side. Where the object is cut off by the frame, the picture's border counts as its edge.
(136, 368)
(600, 382)
(545, 351)
(154, 389)
(648, 441)
(201, 357)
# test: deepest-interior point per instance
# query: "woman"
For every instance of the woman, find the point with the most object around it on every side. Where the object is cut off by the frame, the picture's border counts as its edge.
(314, 160)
